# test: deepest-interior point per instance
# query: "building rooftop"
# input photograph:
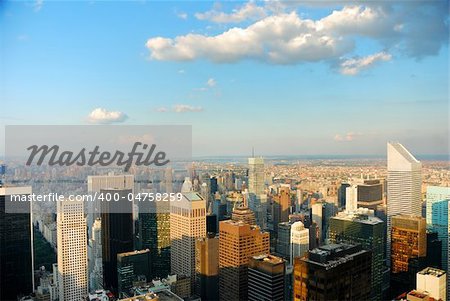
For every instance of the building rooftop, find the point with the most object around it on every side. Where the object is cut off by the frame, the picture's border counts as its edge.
(432, 271)
(360, 216)
(332, 255)
(193, 196)
(272, 259)
(135, 252)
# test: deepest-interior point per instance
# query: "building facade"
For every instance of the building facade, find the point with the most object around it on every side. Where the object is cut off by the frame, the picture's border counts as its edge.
(266, 278)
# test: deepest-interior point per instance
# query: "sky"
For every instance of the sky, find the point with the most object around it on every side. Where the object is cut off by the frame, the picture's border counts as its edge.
(287, 78)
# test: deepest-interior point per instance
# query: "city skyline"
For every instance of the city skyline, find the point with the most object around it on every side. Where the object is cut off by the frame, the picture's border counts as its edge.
(313, 87)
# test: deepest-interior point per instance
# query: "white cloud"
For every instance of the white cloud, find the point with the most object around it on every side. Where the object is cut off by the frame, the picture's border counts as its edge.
(211, 82)
(103, 116)
(249, 11)
(182, 15)
(161, 109)
(181, 108)
(412, 29)
(347, 137)
(38, 5)
(181, 71)
(353, 66)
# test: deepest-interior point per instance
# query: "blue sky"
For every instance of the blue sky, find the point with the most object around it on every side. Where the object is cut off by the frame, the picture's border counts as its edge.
(284, 77)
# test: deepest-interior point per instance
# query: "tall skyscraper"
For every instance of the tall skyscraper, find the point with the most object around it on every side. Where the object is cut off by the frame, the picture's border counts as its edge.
(257, 197)
(16, 246)
(317, 218)
(437, 217)
(432, 281)
(282, 203)
(95, 260)
(333, 272)
(299, 241)
(351, 198)
(187, 224)
(404, 182)
(266, 277)
(72, 250)
(370, 194)
(360, 227)
(283, 247)
(131, 266)
(207, 267)
(117, 232)
(238, 241)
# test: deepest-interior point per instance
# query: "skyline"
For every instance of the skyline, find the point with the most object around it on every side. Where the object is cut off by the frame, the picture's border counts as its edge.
(383, 77)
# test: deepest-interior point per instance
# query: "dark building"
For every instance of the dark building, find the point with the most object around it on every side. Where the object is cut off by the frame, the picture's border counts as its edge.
(207, 267)
(333, 272)
(154, 221)
(132, 266)
(213, 185)
(284, 240)
(266, 277)
(328, 211)
(342, 194)
(16, 246)
(211, 224)
(370, 194)
(117, 232)
(313, 237)
(220, 210)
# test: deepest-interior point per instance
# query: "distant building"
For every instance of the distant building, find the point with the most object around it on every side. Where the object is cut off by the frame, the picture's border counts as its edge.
(299, 241)
(283, 247)
(342, 193)
(266, 278)
(131, 265)
(370, 194)
(333, 272)
(244, 214)
(207, 267)
(281, 206)
(238, 241)
(256, 189)
(433, 281)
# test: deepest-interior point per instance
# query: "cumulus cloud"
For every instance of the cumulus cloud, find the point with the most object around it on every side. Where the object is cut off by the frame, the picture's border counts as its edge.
(411, 29)
(249, 11)
(182, 108)
(182, 15)
(346, 138)
(103, 116)
(353, 66)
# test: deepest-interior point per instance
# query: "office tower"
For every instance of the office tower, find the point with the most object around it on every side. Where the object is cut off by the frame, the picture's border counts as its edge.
(282, 204)
(238, 241)
(359, 227)
(342, 192)
(207, 267)
(244, 214)
(409, 240)
(333, 272)
(432, 281)
(370, 194)
(266, 278)
(299, 241)
(437, 217)
(219, 209)
(154, 220)
(95, 260)
(131, 266)
(351, 198)
(404, 182)
(213, 185)
(328, 211)
(117, 232)
(257, 197)
(316, 217)
(72, 250)
(283, 247)
(16, 245)
(313, 236)
(187, 223)
(211, 224)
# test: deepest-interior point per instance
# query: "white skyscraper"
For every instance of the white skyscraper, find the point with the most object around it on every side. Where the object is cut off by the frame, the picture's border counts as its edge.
(317, 216)
(187, 223)
(351, 198)
(72, 251)
(257, 196)
(299, 240)
(433, 281)
(404, 184)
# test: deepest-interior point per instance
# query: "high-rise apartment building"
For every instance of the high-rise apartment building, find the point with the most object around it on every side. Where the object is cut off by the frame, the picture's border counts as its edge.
(361, 227)
(117, 232)
(187, 224)
(437, 217)
(266, 278)
(207, 267)
(72, 250)
(333, 272)
(16, 252)
(238, 242)
(256, 184)
(404, 182)
(408, 240)
(299, 241)
(433, 281)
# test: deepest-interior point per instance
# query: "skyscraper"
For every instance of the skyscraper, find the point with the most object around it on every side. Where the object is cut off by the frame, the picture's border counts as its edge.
(207, 267)
(351, 198)
(283, 247)
(72, 251)
(130, 266)
(238, 241)
(403, 186)
(187, 224)
(370, 194)
(117, 232)
(437, 217)
(333, 272)
(317, 218)
(432, 281)
(95, 262)
(266, 277)
(257, 197)
(16, 246)
(299, 241)
(360, 227)
(282, 203)
(243, 213)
